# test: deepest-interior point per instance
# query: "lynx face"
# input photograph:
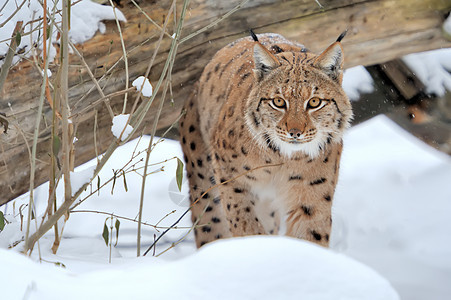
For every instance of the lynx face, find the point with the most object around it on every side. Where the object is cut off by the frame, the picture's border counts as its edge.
(296, 106)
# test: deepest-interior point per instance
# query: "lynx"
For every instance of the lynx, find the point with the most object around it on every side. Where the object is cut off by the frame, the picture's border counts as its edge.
(264, 127)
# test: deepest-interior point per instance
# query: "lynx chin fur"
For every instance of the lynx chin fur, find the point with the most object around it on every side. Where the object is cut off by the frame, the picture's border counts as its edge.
(266, 119)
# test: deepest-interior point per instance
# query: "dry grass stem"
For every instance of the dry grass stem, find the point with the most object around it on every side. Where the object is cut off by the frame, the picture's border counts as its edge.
(124, 55)
(160, 108)
(10, 54)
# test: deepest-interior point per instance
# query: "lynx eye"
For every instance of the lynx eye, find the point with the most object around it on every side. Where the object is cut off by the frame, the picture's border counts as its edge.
(279, 102)
(314, 102)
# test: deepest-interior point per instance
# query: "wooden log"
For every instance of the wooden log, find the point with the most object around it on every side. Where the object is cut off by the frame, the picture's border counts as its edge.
(379, 30)
(403, 78)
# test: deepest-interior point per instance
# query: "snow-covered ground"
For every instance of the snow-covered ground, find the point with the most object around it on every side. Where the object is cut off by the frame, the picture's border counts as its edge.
(247, 268)
(391, 213)
(392, 208)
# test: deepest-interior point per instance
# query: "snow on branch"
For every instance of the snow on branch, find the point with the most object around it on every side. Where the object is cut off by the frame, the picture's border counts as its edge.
(146, 89)
(119, 123)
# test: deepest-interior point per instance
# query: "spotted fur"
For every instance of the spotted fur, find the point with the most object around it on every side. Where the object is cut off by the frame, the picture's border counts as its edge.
(265, 124)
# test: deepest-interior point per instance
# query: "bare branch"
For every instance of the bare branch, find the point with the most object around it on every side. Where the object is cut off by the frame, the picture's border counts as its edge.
(9, 56)
(13, 14)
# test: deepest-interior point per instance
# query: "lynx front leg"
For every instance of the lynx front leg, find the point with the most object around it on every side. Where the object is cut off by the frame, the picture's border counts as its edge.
(309, 205)
(239, 207)
(309, 213)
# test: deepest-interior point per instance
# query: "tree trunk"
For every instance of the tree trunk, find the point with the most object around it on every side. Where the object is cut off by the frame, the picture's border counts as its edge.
(378, 31)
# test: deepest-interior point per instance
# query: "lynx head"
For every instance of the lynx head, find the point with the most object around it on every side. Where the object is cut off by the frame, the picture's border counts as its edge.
(297, 103)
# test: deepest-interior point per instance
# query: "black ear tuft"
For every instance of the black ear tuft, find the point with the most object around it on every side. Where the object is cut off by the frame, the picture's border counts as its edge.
(331, 62)
(342, 35)
(253, 35)
(264, 61)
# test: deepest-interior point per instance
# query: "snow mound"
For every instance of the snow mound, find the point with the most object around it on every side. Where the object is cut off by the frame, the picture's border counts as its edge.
(241, 268)
(392, 206)
(281, 268)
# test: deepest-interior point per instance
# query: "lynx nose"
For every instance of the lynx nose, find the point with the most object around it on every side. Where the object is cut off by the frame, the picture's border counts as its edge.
(295, 133)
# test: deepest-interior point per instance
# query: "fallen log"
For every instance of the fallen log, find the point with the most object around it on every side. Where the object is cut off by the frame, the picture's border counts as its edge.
(378, 31)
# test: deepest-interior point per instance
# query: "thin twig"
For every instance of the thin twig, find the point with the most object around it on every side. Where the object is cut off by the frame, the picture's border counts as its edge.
(160, 108)
(172, 126)
(10, 54)
(163, 30)
(28, 245)
(91, 75)
(99, 89)
(319, 4)
(149, 66)
(125, 218)
(107, 72)
(167, 215)
(183, 237)
(51, 203)
(66, 143)
(4, 5)
(214, 23)
(124, 53)
(13, 14)
(98, 101)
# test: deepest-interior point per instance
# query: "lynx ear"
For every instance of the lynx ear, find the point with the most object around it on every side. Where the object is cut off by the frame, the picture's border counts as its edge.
(331, 60)
(264, 60)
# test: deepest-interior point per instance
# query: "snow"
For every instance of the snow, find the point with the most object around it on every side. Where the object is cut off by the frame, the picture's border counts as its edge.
(391, 213)
(80, 177)
(357, 80)
(392, 208)
(146, 89)
(447, 25)
(86, 19)
(49, 73)
(11, 233)
(119, 123)
(433, 69)
(245, 268)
